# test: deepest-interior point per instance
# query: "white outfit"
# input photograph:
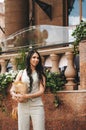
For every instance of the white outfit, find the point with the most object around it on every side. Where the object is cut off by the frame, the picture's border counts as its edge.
(33, 108)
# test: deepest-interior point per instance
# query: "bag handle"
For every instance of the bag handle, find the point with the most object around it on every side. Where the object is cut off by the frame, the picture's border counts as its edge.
(19, 76)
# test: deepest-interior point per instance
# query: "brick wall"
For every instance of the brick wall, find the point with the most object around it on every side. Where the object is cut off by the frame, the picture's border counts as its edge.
(82, 49)
(70, 115)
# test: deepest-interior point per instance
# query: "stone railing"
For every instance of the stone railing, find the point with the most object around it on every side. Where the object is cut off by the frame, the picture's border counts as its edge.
(3, 60)
(55, 55)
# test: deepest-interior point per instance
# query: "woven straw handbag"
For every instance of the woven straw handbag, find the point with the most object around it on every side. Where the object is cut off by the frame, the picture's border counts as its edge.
(19, 88)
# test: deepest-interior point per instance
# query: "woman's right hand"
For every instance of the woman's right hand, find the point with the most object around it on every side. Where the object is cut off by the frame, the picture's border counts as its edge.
(14, 96)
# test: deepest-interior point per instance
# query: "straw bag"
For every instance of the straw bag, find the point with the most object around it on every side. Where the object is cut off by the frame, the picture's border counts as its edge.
(14, 113)
(18, 87)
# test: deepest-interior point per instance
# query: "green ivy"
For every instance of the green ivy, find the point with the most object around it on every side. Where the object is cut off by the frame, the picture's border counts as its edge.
(20, 61)
(5, 80)
(55, 81)
(79, 34)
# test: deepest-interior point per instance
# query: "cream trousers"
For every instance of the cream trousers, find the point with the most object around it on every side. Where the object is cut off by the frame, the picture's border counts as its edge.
(25, 111)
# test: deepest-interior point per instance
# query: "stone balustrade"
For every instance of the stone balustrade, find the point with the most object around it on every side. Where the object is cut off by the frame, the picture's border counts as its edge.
(70, 71)
(8, 57)
(55, 55)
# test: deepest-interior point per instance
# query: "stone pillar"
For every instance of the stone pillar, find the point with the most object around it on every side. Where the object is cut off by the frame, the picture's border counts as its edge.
(43, 59)
(82, 51)
(3, 66)
(70, 72)
(13, 61)
(55, 62)
(16, 15)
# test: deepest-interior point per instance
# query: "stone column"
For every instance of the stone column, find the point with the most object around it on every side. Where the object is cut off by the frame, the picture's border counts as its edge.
(70, 72)
(3, 66)
(82, 51)
(43, 59)
(55, 63)
(13, 61)
(16, 15)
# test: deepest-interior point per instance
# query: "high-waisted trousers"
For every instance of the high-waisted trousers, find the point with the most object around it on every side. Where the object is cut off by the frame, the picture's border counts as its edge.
(36, 113)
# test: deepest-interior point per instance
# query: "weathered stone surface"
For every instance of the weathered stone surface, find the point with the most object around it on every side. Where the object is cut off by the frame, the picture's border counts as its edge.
(82, 48)
(70, 115)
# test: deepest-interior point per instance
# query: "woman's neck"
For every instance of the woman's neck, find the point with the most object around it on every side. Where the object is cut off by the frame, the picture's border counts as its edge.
(33, 68)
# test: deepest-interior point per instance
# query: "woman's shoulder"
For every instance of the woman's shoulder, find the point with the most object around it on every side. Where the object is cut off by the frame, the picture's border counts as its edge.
(21, 72)
(24, 72)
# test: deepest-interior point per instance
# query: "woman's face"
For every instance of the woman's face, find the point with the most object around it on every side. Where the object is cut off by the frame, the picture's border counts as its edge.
(34, 60)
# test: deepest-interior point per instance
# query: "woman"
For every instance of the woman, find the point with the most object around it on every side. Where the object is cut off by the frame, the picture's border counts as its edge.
(34, 76)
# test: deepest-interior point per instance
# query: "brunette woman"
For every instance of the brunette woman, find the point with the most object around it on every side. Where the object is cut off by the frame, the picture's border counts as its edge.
(33, 75)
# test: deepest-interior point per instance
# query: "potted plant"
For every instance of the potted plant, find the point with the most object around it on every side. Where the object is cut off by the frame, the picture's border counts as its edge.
(79, 34)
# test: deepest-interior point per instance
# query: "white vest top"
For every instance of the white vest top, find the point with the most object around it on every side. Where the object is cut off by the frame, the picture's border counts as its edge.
(35, 87)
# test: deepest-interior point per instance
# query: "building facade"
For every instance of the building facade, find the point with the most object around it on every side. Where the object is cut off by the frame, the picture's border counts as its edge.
(23, 13)
(2, 20)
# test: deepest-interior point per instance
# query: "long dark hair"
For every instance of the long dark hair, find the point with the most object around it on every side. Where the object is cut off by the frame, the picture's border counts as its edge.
(39, 68)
